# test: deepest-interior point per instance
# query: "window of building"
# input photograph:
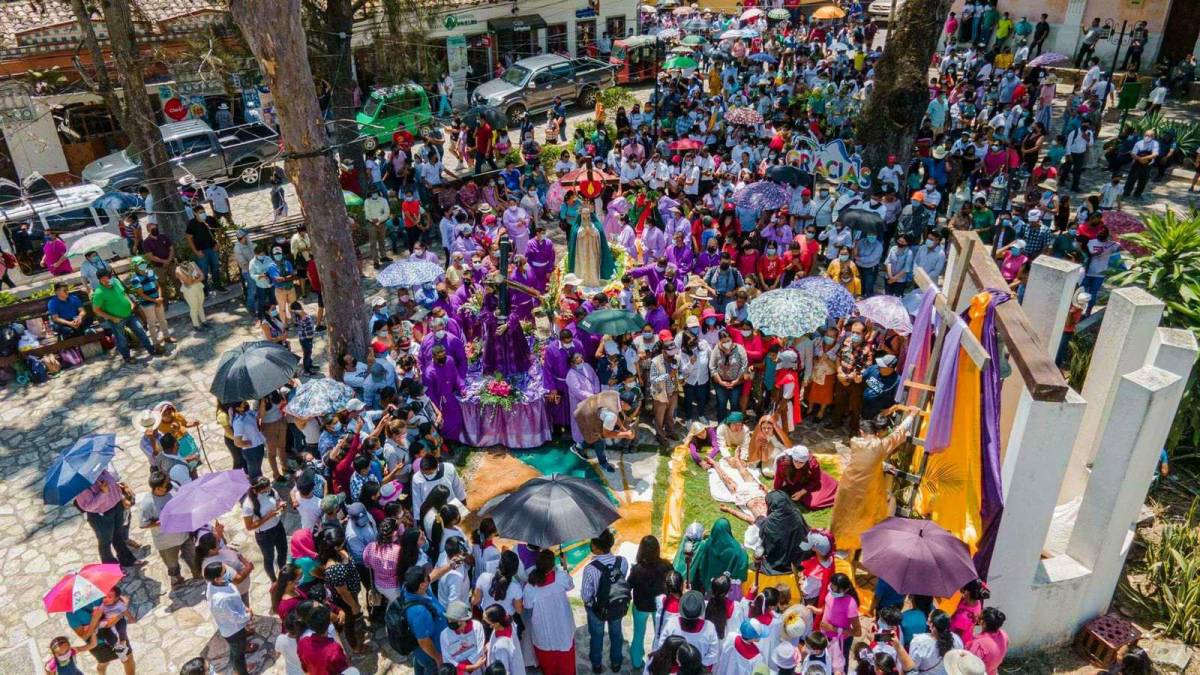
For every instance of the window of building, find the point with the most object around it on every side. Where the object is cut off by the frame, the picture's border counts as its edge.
(556, 38)
(585, 37)
(615, 27)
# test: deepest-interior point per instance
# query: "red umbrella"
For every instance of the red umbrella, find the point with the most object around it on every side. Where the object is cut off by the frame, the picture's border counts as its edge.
(82, 588)
(917, 557)
(580, 175)
(685, 144)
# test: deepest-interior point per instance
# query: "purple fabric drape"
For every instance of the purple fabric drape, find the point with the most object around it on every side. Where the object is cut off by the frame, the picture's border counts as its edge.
(992, 503)
(941, 418)
(919, 341)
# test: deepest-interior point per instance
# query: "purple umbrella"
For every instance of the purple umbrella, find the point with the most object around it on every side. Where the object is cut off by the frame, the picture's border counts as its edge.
(1049, 59)
(762, 195)
(838, 300)
(917, 557)
(887, 311)
(203, 500)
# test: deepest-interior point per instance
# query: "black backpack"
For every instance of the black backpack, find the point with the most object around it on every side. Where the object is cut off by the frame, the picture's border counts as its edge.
(613, 593)
(399, 633)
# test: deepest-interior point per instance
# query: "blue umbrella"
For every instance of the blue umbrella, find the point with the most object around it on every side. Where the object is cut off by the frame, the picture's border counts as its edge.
(118, 201)
(319, 397)
(78, 468)
(409, 273)
(763, 57)
(838, 300)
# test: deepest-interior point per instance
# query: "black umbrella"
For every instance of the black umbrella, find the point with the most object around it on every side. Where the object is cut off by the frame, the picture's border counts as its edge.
(786, 174)
(862, 222)
(492, 114)
(252, 370)
(553, 510)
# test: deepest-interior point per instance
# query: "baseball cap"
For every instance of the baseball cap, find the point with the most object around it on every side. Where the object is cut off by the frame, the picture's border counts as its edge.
(355, 405)
(458, 611)
(331, 503)
(887, 360)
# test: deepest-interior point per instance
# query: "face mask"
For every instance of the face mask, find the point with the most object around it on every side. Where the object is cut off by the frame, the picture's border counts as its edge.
(746, 333)
(827, 340)
(856, 338)
(771, 251)
(843, 257)
(579, 366)
(278, 257)
(724, 265)
(428, 476)
(837, 594)
(871, 238)
(1016, 251)
(710, 322)
(274, 313)
(661, 268)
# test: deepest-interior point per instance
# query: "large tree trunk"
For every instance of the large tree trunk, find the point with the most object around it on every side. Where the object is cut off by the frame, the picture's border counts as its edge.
(140, 122)
(336, 68)
(889, 121)
(276, 36)
(135, 112)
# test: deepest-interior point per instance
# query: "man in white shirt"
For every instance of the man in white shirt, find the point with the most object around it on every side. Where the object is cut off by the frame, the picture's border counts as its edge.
(434, 472)
(1092, 76)
(1078, 142)
(229, 611)
(463, 642)
(891, 174)
(218, 197)
(656, 172)
(930, 256)
(377, 212)
(631, 171)
(1145, 152)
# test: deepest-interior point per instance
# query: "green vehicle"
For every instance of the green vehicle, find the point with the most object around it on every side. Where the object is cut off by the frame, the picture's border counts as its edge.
(404, 106)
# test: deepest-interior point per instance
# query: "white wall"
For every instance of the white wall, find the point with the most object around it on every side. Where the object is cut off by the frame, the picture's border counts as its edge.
(34, 145)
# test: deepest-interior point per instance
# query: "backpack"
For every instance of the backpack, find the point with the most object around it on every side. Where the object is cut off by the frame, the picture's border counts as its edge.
(37, 370)
(612, 593)
(400, 635)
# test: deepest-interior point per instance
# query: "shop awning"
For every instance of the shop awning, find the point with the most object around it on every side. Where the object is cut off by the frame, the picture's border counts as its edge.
(516, 23)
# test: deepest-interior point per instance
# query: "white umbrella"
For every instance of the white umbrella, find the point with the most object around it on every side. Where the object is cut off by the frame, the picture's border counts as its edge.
(92, 242)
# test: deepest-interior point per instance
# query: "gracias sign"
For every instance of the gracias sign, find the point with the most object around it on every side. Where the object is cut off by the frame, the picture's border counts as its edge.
(831, 161)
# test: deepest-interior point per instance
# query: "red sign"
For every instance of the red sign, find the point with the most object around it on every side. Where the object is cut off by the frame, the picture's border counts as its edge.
(175, 109)
(590, 189)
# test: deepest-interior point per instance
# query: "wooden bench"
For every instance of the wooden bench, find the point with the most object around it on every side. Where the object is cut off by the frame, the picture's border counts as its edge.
(39, 309)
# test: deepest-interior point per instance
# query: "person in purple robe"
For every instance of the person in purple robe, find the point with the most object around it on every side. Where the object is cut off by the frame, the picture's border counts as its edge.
(680, 254)
(582, 382)
(627, 239)
(556, 362)
(678, 223)
(516, 225)
(540, 254)
(589, 341)
(452, 325)
(656, 316)
(419, 252)
(443, 384)
(614, 216)
(779, 233)
(505, 349)
(707, 259)
(452, 344)
(522, 303)
(654, 242)
(651, 274)
(464, 240)
(671, 279)
(665, 204)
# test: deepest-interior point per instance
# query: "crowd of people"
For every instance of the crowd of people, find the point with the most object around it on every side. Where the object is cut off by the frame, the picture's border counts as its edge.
(381, 537)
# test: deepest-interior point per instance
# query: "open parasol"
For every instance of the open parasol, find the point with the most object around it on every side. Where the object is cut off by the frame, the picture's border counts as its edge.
(787, 312)
(839, 302)
(762, 195)
(887, 311)
(612, 322)
(917, 557)
(252, 370)
(685, 144)
(409, 273)
(829, 12)
(1048, 59)
(680, 63)
(752, 13)
(743, 116)
(321, 396)
(552, 510)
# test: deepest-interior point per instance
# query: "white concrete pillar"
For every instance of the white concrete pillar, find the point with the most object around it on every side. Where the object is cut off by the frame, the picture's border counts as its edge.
(1066, 38)
(1130, 320)
(1048, 294)
(1034, 462)
(1130, 446)
(1174, 350)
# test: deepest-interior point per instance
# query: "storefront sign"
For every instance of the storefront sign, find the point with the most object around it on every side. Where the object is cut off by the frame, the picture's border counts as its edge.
(15, 103)
(178, 106)
(585, 13)
(453, 21)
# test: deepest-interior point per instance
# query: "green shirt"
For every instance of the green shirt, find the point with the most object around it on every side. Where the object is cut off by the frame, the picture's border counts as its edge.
(112, 300)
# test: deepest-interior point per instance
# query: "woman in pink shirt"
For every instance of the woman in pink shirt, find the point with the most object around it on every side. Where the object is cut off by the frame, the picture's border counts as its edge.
(839, 620)
(970, 606)
(991, 644)
(54, 255)
(1012, 259)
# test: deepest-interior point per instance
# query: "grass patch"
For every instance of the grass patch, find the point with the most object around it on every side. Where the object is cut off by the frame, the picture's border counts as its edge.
(661, 476)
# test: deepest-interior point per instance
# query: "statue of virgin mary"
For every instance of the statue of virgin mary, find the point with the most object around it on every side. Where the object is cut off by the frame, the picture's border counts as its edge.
(588, 254)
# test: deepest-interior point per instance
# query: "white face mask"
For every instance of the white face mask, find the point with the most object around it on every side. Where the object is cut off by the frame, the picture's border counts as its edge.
(440, 334)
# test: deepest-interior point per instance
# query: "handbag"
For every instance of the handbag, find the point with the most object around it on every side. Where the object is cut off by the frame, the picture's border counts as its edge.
(53, 365)
(71, 357)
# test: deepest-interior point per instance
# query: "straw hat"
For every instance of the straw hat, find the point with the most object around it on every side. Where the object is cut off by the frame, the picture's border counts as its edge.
(571, 279)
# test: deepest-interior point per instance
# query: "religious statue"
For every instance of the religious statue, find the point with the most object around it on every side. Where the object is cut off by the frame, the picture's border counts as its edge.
(588, 255)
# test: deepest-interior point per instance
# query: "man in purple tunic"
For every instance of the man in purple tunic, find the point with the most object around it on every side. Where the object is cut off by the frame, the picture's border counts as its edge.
(452, 325)
(555, 365)
(652, 274)
(582, 382)
(443, 384)
(452, 344)
(707, 259)
(516, 224)
(540, 254)
(505, 349)
(654, 242)
(680, 254)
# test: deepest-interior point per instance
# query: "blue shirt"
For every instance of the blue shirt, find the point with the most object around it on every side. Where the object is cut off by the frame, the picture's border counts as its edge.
(427, 620)
(279, 269)
(65, 309)
(512, 179)
(148, 283)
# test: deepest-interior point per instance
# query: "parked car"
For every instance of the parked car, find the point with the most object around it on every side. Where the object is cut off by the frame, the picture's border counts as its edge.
(233, 153)
(390, 109)
(881, 10)
(72, 212)
(530, 85)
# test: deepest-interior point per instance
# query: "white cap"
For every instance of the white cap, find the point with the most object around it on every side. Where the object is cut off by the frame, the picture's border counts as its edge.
(355, 405)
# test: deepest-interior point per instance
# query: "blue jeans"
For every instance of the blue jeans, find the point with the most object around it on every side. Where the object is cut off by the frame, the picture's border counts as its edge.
(306, 345)
(1092, 285)
(598, 448)
(616, 642)
(254, 459)
(868, 275)
(728, 400)
(263, 299)
(637, 648)
(251, 293)
(118, 331)
(210, 263)
(695, 400)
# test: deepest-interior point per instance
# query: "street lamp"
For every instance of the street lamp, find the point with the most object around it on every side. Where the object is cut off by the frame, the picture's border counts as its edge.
(1107, 33)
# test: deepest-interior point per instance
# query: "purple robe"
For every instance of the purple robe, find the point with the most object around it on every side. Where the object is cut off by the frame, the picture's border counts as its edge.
(665, 204)
(540, 255)
(658, 319)
(516, 224)
(650, 273)
(556, 362)
(427, 256)
(781, 235)
(628, 240)
(682, 257)
(681, 225)
(654, 243)
(614, 214)
(521, 303)
(588, 341)
(454, 349)
(706, 261)
(582, 382)
(506, 353)
(443, 385)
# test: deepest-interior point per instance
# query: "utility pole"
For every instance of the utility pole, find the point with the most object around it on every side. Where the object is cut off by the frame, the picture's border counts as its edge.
(275, 33)
(1108, 89)
(133, 108)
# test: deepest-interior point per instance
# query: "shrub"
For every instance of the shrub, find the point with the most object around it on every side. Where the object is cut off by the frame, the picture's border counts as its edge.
(1171, 590)
(616, 97)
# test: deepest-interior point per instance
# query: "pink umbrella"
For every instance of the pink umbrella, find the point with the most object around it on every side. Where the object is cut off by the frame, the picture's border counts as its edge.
(917, 557)
(887, 311)
(554, 197)
(82, 588)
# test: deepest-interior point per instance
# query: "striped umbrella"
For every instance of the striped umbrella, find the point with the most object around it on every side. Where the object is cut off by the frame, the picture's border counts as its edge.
(787, 312)
(80, 589)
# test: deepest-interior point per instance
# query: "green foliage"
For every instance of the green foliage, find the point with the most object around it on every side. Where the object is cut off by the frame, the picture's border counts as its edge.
(1080, 358)
(1171, 591)
(1187, 134)
(1170, 270)
(7, 299)
(616, 97)
(549, 155)
(589, 128)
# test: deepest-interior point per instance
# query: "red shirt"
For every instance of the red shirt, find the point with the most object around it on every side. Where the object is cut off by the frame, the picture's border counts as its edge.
(747, 263)
(483, 137)
(770, 267)
(321, 656)
(313, 278)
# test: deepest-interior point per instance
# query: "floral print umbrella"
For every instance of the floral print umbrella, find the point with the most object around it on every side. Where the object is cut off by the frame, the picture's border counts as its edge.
(743, 116)
(787, 312)
(762, 195)
(838, 301)
(409, 274)
(887, 311)
(319, 397)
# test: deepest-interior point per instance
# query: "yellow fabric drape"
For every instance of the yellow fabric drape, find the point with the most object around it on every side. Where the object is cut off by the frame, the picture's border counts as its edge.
(950, 493)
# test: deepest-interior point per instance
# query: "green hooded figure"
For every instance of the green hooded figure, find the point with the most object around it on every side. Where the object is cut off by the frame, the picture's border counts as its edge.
(719, 553)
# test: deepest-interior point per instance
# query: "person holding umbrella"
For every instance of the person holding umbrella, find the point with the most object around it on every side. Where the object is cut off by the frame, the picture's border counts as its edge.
(104, 503)
(172, 547)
